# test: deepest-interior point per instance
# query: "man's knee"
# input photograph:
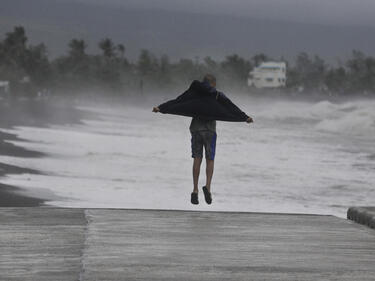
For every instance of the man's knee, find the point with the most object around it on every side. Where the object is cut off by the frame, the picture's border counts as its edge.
(197, 161)
(209, 162)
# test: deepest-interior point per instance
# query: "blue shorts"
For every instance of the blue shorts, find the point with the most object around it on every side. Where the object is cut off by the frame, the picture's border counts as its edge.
(206, 139)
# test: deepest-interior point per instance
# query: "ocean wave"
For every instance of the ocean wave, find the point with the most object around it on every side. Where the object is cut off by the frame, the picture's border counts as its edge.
(352, 117)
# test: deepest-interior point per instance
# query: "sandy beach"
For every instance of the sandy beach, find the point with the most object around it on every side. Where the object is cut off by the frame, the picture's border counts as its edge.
(27, 113)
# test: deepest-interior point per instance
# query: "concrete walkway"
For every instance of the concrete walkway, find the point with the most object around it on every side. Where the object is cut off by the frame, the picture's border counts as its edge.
(41, 244)
(100, 244)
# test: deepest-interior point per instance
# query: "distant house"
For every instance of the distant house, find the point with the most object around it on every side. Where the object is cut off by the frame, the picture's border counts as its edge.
(268, 75)
(4, 89)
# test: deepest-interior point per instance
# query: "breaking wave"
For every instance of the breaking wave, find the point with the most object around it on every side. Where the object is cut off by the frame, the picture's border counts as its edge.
(354, 117)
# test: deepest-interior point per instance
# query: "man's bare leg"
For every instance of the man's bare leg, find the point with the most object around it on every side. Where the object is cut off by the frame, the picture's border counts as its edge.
(196, 170)
(209, 173)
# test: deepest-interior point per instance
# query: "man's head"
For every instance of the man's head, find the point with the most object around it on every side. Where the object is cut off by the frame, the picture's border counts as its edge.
(210, 79)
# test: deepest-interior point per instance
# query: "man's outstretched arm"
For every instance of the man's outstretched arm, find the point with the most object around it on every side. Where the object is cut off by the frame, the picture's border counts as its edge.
(219, 95)
(165, 106)
(224, 99)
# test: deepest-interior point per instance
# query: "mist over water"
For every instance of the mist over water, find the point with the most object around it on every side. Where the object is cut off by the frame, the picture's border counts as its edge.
(298, 157)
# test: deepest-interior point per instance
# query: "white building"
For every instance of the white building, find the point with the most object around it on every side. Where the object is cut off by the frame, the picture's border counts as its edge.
(268, 75)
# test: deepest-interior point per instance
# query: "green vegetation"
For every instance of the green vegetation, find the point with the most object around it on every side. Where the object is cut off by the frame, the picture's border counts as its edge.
(111, 72)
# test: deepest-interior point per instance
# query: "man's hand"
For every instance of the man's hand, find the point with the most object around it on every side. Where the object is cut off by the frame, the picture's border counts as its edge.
(249, 120)
(156, 109)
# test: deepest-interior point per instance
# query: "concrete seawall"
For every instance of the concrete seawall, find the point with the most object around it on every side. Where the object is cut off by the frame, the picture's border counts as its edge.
(111, 244)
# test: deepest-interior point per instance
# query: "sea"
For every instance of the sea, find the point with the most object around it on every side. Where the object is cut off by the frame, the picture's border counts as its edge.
(297, 157)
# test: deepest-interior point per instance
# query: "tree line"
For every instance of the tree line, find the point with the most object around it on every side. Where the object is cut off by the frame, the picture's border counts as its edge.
(111, 72)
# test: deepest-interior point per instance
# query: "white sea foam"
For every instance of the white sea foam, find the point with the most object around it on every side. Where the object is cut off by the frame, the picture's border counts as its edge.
(353, 118)
(350, 118)
(297, 157)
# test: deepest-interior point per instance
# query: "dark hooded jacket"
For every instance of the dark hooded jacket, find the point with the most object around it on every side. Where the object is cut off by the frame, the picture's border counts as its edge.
(202, 100)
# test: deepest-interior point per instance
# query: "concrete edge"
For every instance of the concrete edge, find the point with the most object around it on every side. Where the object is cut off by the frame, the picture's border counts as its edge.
(362, 215)
(46, 206)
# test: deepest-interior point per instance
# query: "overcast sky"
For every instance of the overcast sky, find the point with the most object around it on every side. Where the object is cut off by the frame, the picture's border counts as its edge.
(331, 28)
(341, 12)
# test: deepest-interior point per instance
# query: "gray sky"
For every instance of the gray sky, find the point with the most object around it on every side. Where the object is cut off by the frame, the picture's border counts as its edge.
(191, 28)
(337, 12)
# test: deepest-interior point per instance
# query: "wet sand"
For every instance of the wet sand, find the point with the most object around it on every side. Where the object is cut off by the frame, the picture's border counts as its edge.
(28, 113)
(9, 197)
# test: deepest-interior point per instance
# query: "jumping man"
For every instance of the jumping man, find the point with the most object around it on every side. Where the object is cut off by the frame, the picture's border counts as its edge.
(203, 135)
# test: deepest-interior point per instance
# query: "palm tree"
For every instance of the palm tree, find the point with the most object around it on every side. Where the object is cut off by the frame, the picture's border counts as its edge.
(77, 48)
(108, 48)
(121, 49)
